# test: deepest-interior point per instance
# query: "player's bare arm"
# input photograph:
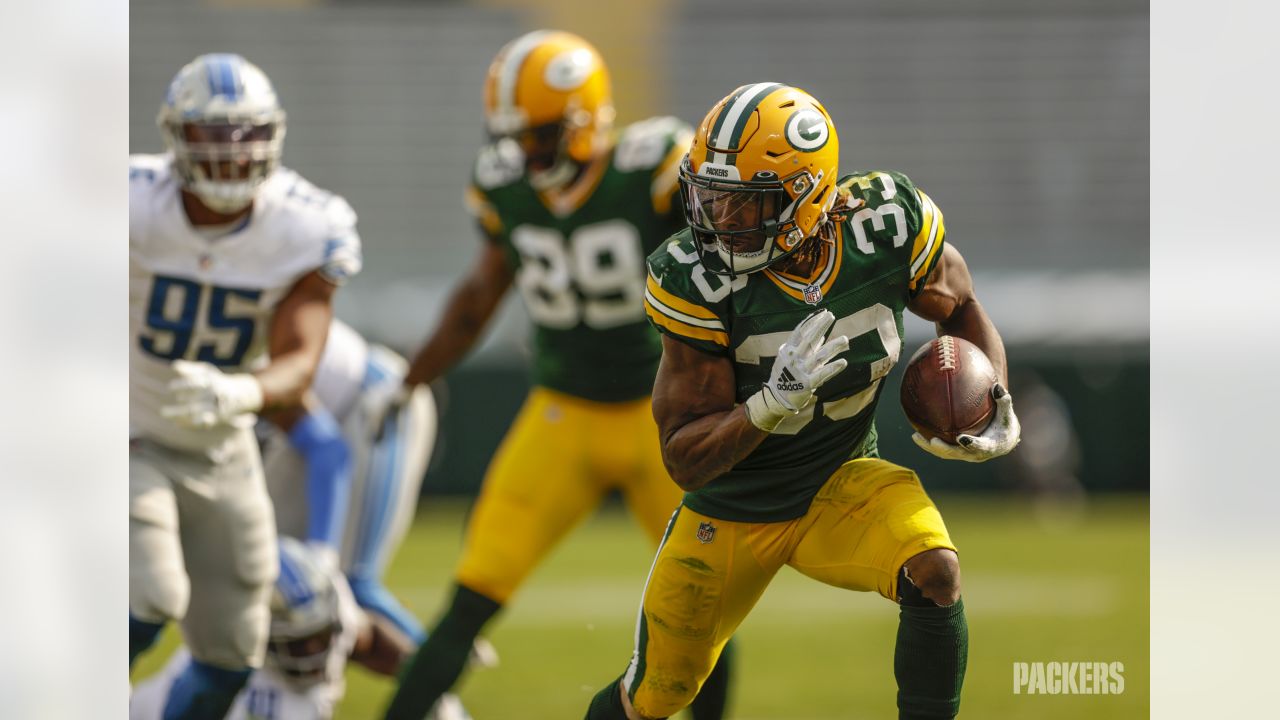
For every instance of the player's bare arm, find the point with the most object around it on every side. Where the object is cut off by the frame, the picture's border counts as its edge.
(379, 646)
(702, 433)
(298, 333)
(286, 418)
(468, 311)
(948, 300)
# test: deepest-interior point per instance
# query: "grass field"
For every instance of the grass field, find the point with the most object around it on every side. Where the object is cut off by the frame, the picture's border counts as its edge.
(1056, 587)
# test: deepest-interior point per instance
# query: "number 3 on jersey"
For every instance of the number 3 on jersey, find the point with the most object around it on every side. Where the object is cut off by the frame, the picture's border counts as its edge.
(877, 321)
(595, 277)
(172, 311)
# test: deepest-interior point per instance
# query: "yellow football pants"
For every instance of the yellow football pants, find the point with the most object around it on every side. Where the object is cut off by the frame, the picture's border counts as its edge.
(558, 461)
(867, 520)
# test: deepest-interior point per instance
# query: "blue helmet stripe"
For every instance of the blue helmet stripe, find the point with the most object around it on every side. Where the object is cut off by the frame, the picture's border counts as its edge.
(224, 76)
(291, 582)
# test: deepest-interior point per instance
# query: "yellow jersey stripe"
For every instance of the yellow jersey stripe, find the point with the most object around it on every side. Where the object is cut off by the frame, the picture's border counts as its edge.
(679, 328)
(921, 245)
(676, 303)
(925, 252)
(932, 259)
(677, 315)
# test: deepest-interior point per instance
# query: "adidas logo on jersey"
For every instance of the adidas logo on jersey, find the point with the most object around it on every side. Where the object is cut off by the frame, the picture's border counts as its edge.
(787, 381)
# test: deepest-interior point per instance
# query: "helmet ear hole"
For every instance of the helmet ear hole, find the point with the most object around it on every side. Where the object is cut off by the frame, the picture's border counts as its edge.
(818, 200)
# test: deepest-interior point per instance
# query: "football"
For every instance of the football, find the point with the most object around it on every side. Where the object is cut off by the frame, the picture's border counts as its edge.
(946, 389)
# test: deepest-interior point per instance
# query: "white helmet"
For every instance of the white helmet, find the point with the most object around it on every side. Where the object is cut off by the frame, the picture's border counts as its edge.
(224, 126)
(306, 615)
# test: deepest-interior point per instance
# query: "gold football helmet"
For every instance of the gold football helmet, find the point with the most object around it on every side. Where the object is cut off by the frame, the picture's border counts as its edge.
(760, 176)
(549, 92)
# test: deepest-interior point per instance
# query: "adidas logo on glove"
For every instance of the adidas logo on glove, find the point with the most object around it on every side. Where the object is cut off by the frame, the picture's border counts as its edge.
(787, 381)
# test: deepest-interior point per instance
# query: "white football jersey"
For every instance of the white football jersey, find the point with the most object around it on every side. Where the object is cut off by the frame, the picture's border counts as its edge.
(212, 300)
(343, 366)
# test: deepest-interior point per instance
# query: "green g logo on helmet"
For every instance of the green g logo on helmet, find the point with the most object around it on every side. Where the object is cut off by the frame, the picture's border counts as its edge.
(806, 130)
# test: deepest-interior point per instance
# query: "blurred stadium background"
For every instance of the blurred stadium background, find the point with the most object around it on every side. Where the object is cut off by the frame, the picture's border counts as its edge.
(1027, 122)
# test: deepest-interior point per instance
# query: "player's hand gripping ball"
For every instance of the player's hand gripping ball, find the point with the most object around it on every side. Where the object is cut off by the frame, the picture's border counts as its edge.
(951, 395)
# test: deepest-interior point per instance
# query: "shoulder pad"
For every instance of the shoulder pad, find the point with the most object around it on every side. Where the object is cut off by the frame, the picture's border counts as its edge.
(683, 300)
(497, 164)
(899, 215)
(149, 179)
(148, 168)
(875, 187)
(644, 145)
(325, 225)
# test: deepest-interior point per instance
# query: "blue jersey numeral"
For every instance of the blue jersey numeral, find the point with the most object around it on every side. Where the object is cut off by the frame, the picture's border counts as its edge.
(261, 703)
(172, 337)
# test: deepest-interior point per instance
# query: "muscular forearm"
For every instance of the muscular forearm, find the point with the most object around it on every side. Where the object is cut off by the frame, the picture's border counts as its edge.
(971, 322)
(710, 446)
(464, 319)
(286, 380)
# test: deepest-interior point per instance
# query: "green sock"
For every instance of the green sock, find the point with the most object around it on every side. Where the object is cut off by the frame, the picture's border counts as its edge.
(929, 661)
(441, 659)
(607, 704)
(713, 698)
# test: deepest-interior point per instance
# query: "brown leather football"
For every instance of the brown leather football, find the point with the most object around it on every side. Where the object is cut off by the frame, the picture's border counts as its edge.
(946, 390)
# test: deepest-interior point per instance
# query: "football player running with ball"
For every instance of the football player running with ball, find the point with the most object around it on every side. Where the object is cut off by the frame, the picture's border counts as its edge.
(569, 211)
(233, 265)
(781, 312)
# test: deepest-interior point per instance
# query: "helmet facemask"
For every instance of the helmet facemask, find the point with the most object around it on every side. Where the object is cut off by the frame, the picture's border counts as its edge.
(225, 162)
(554, 152)
(751, 224)
(303, 661)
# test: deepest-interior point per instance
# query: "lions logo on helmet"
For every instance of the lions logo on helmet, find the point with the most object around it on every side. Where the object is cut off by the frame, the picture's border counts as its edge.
(306, 615)
(760, 175)
(223, 123)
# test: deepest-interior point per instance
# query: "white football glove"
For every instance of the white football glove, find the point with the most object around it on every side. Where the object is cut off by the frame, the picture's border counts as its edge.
(1000, 437)
(803, 364)
(203, 396)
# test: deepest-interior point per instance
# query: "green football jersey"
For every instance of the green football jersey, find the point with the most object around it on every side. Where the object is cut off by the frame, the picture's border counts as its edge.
(882, 252)
(579, 259)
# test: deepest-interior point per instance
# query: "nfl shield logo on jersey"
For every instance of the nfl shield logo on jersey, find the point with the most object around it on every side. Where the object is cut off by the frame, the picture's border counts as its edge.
(813, 294)
(706, 532)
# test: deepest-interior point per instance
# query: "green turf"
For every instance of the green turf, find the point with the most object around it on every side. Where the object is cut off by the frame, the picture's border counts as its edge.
(1038, 587)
